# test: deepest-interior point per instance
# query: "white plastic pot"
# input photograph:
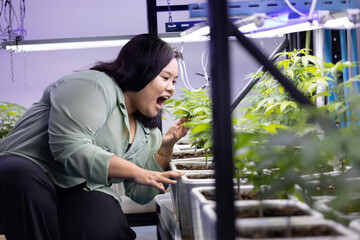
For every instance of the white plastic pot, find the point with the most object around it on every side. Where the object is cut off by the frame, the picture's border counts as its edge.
(324, 206)
(166, 216)
(197, 201)
(180, 197)
(281, 225)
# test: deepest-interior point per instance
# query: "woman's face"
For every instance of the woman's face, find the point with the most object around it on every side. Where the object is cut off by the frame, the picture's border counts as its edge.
(150, 99)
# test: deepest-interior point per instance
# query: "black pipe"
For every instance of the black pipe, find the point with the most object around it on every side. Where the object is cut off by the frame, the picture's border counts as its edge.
(152, 16)
(173, 8)
(222, 135)
(292, 41)
(153, 29)
(283, 45)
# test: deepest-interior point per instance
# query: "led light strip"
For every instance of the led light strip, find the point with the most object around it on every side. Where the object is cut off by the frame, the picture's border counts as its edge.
(93, 42)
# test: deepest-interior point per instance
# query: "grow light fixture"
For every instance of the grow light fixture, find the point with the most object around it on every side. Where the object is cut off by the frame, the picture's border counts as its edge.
(341, 20)
(264, 26)
(278, 26)
(258, 25)
(198, 30)
(90, 42)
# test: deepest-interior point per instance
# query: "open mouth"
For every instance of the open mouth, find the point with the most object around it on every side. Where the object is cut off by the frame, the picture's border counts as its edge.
(160, 101)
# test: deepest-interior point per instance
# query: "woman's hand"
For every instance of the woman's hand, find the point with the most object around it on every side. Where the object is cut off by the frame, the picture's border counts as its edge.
(156, 179)
(173, 135)
(121, 168)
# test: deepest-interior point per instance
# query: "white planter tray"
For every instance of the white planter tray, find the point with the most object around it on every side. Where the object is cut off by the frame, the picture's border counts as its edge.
(324, 206)
(180, 197)
(281, 226)
(197, 201)
(180, 194)
(313, 183)
(189, 162)
(167, 216)
(355, 225)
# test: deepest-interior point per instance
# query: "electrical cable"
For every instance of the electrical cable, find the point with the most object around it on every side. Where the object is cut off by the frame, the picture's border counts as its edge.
(204, 66)
(288, 3)
(311, 11)
(312, 8)
(183, 71)
(8, 15)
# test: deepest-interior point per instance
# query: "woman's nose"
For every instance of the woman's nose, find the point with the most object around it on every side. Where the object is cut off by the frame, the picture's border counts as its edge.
(170, 88)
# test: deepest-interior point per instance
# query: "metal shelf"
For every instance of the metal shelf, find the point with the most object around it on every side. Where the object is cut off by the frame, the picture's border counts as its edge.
(273, 7)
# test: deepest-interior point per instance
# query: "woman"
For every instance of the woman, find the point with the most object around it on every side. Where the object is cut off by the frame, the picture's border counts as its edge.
(89, 130)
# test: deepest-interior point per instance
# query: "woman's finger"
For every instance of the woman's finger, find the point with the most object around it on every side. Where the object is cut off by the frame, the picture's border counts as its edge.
(173, 174)
(166, 180)
(181, 121)
(161, 187)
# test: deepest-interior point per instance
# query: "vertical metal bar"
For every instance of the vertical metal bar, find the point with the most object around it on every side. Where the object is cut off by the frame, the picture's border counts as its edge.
(293, 41)
(344, 58)
(222, 135)
(336, 56)
(153, 29)
(355, 59)
(152, 16)
(319, 47)
(328, 58)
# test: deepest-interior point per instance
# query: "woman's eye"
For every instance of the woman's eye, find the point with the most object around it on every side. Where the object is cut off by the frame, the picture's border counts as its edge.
(166, 78)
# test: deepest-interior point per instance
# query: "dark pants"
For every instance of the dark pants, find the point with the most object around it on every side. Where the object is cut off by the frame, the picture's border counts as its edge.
(32, 207)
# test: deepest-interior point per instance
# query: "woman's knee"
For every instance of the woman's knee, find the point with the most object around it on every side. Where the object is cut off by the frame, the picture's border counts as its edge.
(23, 177)
(95, 215)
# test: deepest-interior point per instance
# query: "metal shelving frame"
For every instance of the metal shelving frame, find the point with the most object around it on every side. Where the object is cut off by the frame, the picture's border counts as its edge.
(220, 28)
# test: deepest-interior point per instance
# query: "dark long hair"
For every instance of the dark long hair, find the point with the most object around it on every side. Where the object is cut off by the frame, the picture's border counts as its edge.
(139, 62)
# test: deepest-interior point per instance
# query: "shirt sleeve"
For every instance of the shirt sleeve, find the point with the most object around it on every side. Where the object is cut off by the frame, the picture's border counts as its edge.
(79, 108)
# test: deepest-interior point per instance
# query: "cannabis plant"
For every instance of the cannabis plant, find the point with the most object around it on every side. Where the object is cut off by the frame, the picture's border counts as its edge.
(9, 114)
(269, 103)
(196, 107)
(276, 133)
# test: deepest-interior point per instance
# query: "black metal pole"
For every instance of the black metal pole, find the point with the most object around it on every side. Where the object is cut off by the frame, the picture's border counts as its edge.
(152, 16)
(153, 29)
(222, 134)
(284, 44)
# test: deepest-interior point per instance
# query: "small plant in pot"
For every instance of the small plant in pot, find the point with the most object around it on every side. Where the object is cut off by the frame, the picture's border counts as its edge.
(9, 114)
(196, 107)
(276, 133)
(271, 110)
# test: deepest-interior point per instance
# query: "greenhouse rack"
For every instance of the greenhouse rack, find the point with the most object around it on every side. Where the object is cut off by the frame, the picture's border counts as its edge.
(222, 135)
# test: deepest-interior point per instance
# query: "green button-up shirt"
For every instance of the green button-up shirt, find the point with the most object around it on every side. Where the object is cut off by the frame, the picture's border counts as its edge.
(72, 132)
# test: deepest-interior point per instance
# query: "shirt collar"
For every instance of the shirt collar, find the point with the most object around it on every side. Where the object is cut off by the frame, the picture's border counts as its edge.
(121, 104)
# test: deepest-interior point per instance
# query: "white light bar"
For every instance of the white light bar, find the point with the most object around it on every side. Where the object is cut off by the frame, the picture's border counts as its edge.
(281, 31)
(256, 26)
(91, 42)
